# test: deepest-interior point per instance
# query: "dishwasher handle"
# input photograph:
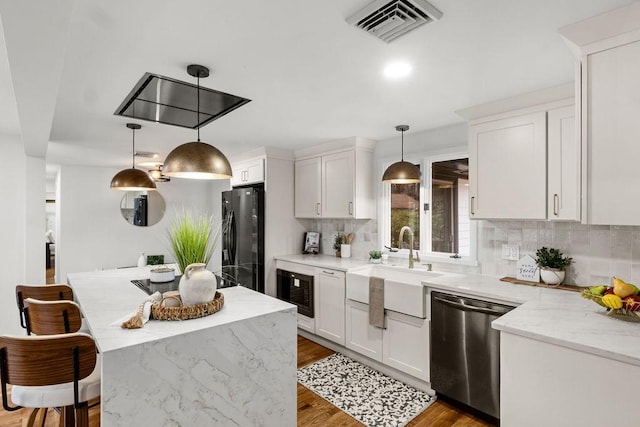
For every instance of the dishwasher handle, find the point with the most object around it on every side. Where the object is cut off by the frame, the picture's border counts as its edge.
(470, 307)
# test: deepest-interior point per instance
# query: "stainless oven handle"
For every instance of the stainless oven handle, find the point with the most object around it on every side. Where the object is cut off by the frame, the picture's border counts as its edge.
(467, 307)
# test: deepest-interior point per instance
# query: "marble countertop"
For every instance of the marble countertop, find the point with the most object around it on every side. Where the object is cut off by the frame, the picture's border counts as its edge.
(325, 261)
(549, 315)
(107, 296)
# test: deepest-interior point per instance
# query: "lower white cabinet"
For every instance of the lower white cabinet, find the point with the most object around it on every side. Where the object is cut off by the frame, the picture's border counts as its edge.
(403, 345)
(361, 336)
(330, 314)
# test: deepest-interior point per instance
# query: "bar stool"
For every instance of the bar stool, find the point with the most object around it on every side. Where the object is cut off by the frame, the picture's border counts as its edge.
(51, 317)
(50, 371)
(43, 293)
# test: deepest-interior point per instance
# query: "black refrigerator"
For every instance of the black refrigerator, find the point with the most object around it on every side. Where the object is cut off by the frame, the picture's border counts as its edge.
(243, 237)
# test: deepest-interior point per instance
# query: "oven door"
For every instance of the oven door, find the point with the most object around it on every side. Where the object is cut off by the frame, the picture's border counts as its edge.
(296, 289)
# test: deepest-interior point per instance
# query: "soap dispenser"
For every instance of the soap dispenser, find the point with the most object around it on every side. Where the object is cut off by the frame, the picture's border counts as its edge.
(142, 261)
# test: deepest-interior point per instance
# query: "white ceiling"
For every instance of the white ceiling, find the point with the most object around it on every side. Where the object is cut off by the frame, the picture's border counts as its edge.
(66, 65)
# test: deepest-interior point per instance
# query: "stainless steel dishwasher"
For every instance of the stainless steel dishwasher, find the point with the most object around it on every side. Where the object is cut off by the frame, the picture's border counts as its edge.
(465, 351)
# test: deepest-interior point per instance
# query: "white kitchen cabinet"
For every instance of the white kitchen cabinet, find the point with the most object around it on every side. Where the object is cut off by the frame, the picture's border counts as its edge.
(361, 337)
(330, 312)
(337, 182)
(247, 172)
(563, 165)
(405, 344)
(308, 188)
(607, 52)
(507, 168)
(524, 157)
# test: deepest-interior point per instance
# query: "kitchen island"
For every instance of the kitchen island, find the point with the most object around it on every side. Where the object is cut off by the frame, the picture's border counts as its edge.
(235, 367)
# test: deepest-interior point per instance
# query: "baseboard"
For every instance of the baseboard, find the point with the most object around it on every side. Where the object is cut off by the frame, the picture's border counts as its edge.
(380, 367)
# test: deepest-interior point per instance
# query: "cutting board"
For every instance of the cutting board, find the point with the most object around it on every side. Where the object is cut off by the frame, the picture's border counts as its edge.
(515, 281)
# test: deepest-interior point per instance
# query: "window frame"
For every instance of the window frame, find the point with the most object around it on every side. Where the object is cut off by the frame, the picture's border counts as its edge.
(425, 161)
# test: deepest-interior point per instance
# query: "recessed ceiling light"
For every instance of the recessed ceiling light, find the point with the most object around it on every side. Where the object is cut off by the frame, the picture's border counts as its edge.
(397, 70)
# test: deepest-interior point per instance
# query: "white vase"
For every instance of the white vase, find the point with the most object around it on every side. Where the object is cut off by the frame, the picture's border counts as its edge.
(197, 285)
(142, 261)
(375, 260)
(345, 251)
(552, 276)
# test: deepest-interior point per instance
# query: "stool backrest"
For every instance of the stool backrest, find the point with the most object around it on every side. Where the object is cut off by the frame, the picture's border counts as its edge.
(43, 293)
(46, 360)
(51, 317)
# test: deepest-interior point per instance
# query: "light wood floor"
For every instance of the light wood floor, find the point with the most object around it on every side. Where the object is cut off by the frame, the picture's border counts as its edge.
(313, 410)
(50, 276)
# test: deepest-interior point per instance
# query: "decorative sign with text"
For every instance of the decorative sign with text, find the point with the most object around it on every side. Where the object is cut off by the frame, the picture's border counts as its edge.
(527, 269)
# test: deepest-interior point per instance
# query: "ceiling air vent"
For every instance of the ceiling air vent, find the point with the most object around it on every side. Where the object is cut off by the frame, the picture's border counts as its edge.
(388, 20)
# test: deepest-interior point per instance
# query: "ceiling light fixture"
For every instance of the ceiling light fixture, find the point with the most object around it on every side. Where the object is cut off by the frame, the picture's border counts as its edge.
(132, 179)
(397, 70)
(157, 175)
(197, 160)
(402, 172)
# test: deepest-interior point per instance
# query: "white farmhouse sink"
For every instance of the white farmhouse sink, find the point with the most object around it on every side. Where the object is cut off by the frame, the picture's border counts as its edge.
(403, 290)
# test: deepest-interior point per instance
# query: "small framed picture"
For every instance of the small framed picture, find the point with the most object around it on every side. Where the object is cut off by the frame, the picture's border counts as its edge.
(311, 242)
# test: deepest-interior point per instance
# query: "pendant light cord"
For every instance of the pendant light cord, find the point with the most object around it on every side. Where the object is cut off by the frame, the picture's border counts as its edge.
(198, 108)
(402, 147)
(133, 152)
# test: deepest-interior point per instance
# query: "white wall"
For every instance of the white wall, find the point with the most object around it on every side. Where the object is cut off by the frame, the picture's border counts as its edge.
(12, 230)
(94, 235)
(35, 220)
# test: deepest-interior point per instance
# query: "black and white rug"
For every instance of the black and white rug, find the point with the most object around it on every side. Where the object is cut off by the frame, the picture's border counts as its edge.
(370, 397)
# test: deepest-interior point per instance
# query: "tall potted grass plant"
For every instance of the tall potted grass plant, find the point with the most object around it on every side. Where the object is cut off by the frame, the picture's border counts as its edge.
(193, 237)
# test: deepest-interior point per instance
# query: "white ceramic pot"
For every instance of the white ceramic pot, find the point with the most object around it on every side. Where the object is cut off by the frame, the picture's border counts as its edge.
(197, 285)
(345, 251)
(552, 276)
(162, 274)
(375, 260)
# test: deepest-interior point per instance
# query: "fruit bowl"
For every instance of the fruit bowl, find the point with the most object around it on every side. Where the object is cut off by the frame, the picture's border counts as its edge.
(621, 300)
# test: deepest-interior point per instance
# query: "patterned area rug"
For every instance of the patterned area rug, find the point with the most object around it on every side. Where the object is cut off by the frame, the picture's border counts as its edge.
(370, 397)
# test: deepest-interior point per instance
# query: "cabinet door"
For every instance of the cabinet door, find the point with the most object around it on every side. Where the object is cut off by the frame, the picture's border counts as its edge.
(248, 172)
(406, 344)
(308, 186)
(507, 168)
(331, 296)
(613, 134)
(563, 165)
(338, 185)
(360, 335)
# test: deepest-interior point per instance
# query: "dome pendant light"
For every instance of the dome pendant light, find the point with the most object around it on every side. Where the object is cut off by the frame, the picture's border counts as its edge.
(402, 172)
(197, 160)
(133, 179)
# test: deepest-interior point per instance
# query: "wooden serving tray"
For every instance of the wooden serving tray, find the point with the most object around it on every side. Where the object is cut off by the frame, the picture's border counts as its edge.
(515, 281)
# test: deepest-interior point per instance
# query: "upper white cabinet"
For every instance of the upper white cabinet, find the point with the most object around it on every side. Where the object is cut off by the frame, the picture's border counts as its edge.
(335, 180)
(524, 157)
(308, 188)
(247, 172)
(507, 168)
(563, 165)
(607, 50)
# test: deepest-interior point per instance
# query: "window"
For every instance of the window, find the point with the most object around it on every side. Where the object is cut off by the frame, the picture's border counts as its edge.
(436, 210)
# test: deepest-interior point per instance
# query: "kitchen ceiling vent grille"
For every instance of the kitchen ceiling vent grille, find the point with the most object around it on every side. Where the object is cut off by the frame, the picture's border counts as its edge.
(388, 20)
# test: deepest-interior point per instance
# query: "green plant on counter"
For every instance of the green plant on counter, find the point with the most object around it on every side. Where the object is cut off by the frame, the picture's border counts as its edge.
(375, 254)
(338, 240)
(193, 237)
(552, 258)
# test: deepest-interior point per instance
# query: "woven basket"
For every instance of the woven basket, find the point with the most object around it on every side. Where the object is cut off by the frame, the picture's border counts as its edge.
(161, 312)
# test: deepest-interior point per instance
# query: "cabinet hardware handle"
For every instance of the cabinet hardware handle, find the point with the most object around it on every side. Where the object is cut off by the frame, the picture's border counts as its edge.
(555, 204)
(328, 272)
(473, 199)
(317, 208)
(350, 208)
